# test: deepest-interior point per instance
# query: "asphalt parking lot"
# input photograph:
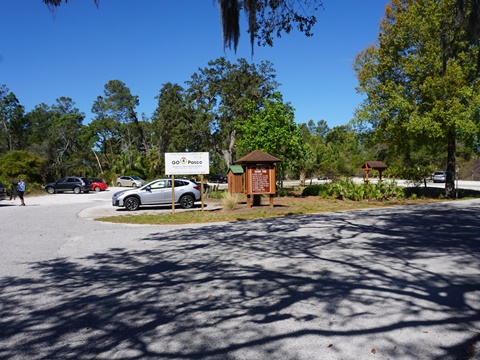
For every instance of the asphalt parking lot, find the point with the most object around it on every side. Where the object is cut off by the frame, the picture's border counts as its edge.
(398, 283)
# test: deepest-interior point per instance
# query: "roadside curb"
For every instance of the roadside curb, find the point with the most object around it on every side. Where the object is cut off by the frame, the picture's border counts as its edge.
(95, 212)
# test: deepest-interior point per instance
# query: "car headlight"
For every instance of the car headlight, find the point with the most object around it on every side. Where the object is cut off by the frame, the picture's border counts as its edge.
(118, 194)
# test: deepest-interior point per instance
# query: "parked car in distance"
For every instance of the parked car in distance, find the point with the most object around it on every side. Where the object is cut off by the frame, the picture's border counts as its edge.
(218, 178)
(132, 180)
(3, 192)
(439, 176)
(205, 184)
(98, 184)
(71, 183)
(159, 192)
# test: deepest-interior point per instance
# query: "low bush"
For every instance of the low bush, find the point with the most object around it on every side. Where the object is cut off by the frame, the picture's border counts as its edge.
(215, 194)
(312, 190)
(346, 189)
(281, 192)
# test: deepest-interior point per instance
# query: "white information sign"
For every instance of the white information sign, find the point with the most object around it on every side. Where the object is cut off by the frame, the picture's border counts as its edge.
(188, 163)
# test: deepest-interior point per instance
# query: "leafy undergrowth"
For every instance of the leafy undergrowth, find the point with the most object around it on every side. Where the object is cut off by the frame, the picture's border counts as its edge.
(283, 206)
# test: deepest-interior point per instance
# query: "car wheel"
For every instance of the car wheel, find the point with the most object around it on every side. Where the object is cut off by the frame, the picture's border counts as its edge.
(77, 190)
(132, 203)
(50, 190)
(134, 185)
(119, 184)
(97, 188)
(187, 202)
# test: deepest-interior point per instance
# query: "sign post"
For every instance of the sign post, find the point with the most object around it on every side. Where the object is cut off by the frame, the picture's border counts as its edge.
(186, 163)
(201, 189)
(456, 177)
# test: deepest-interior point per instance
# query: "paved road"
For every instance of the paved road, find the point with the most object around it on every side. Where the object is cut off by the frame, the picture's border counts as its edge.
(399, 283)
(462, 184)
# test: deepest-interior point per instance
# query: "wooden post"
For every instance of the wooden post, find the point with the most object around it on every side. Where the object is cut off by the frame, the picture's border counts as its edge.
(173, 194)
(201, 189)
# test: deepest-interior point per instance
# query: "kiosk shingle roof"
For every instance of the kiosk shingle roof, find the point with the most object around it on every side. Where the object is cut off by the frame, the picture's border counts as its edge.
(257, 156)
(376, 165)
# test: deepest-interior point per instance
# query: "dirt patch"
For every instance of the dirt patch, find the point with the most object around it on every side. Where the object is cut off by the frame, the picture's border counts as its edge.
(312, 204)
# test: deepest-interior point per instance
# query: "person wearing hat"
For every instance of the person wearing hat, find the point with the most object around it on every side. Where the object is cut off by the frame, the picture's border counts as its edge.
(21, 191)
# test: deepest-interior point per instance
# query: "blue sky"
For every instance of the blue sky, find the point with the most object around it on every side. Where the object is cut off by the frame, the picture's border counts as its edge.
(147, 43)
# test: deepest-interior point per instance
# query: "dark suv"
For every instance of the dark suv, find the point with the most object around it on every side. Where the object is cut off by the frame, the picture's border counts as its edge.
(3, 192)
(219, 178)
(71, 183)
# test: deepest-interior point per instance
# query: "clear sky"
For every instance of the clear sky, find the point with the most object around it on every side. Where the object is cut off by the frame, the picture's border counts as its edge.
(147, 43)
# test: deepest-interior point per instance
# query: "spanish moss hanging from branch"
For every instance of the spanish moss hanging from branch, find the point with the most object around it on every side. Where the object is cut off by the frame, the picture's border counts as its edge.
(266, 19)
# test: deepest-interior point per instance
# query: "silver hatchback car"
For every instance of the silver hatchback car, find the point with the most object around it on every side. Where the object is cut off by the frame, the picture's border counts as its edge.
(132, 180)
(159, 192)
(439, 176)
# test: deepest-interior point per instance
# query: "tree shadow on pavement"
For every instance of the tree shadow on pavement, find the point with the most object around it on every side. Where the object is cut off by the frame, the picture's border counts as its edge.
(400, 283)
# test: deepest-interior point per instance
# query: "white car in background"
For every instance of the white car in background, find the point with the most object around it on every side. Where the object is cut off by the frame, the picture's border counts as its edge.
(439, 176)
(130, 180)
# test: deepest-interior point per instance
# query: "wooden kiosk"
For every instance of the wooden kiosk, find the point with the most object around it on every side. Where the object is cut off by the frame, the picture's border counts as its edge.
(259, 176)
(373, 165)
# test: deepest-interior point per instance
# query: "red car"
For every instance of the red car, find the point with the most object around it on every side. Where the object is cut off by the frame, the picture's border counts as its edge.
(98, 185)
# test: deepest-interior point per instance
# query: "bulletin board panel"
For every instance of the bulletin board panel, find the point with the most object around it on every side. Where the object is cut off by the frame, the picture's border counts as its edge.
(260, 179)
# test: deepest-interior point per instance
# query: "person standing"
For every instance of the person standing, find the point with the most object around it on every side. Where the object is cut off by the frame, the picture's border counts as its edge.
(21, 191)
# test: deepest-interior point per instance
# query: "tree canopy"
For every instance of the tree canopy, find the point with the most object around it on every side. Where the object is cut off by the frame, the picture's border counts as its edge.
(226, 109)
(271, 128)
(221, 90)
(420, 92)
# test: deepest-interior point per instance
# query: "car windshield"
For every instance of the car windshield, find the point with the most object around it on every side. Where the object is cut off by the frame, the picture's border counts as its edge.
(136, 178)
(439, 173)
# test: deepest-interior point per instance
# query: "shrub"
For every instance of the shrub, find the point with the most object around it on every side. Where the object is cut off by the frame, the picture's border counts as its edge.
(326, 191)
(389, 190)
(323, 190)
(281, 192)
(20, 164)
(216, 194)
(312, 190)
(346, 189)
(229, 201)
